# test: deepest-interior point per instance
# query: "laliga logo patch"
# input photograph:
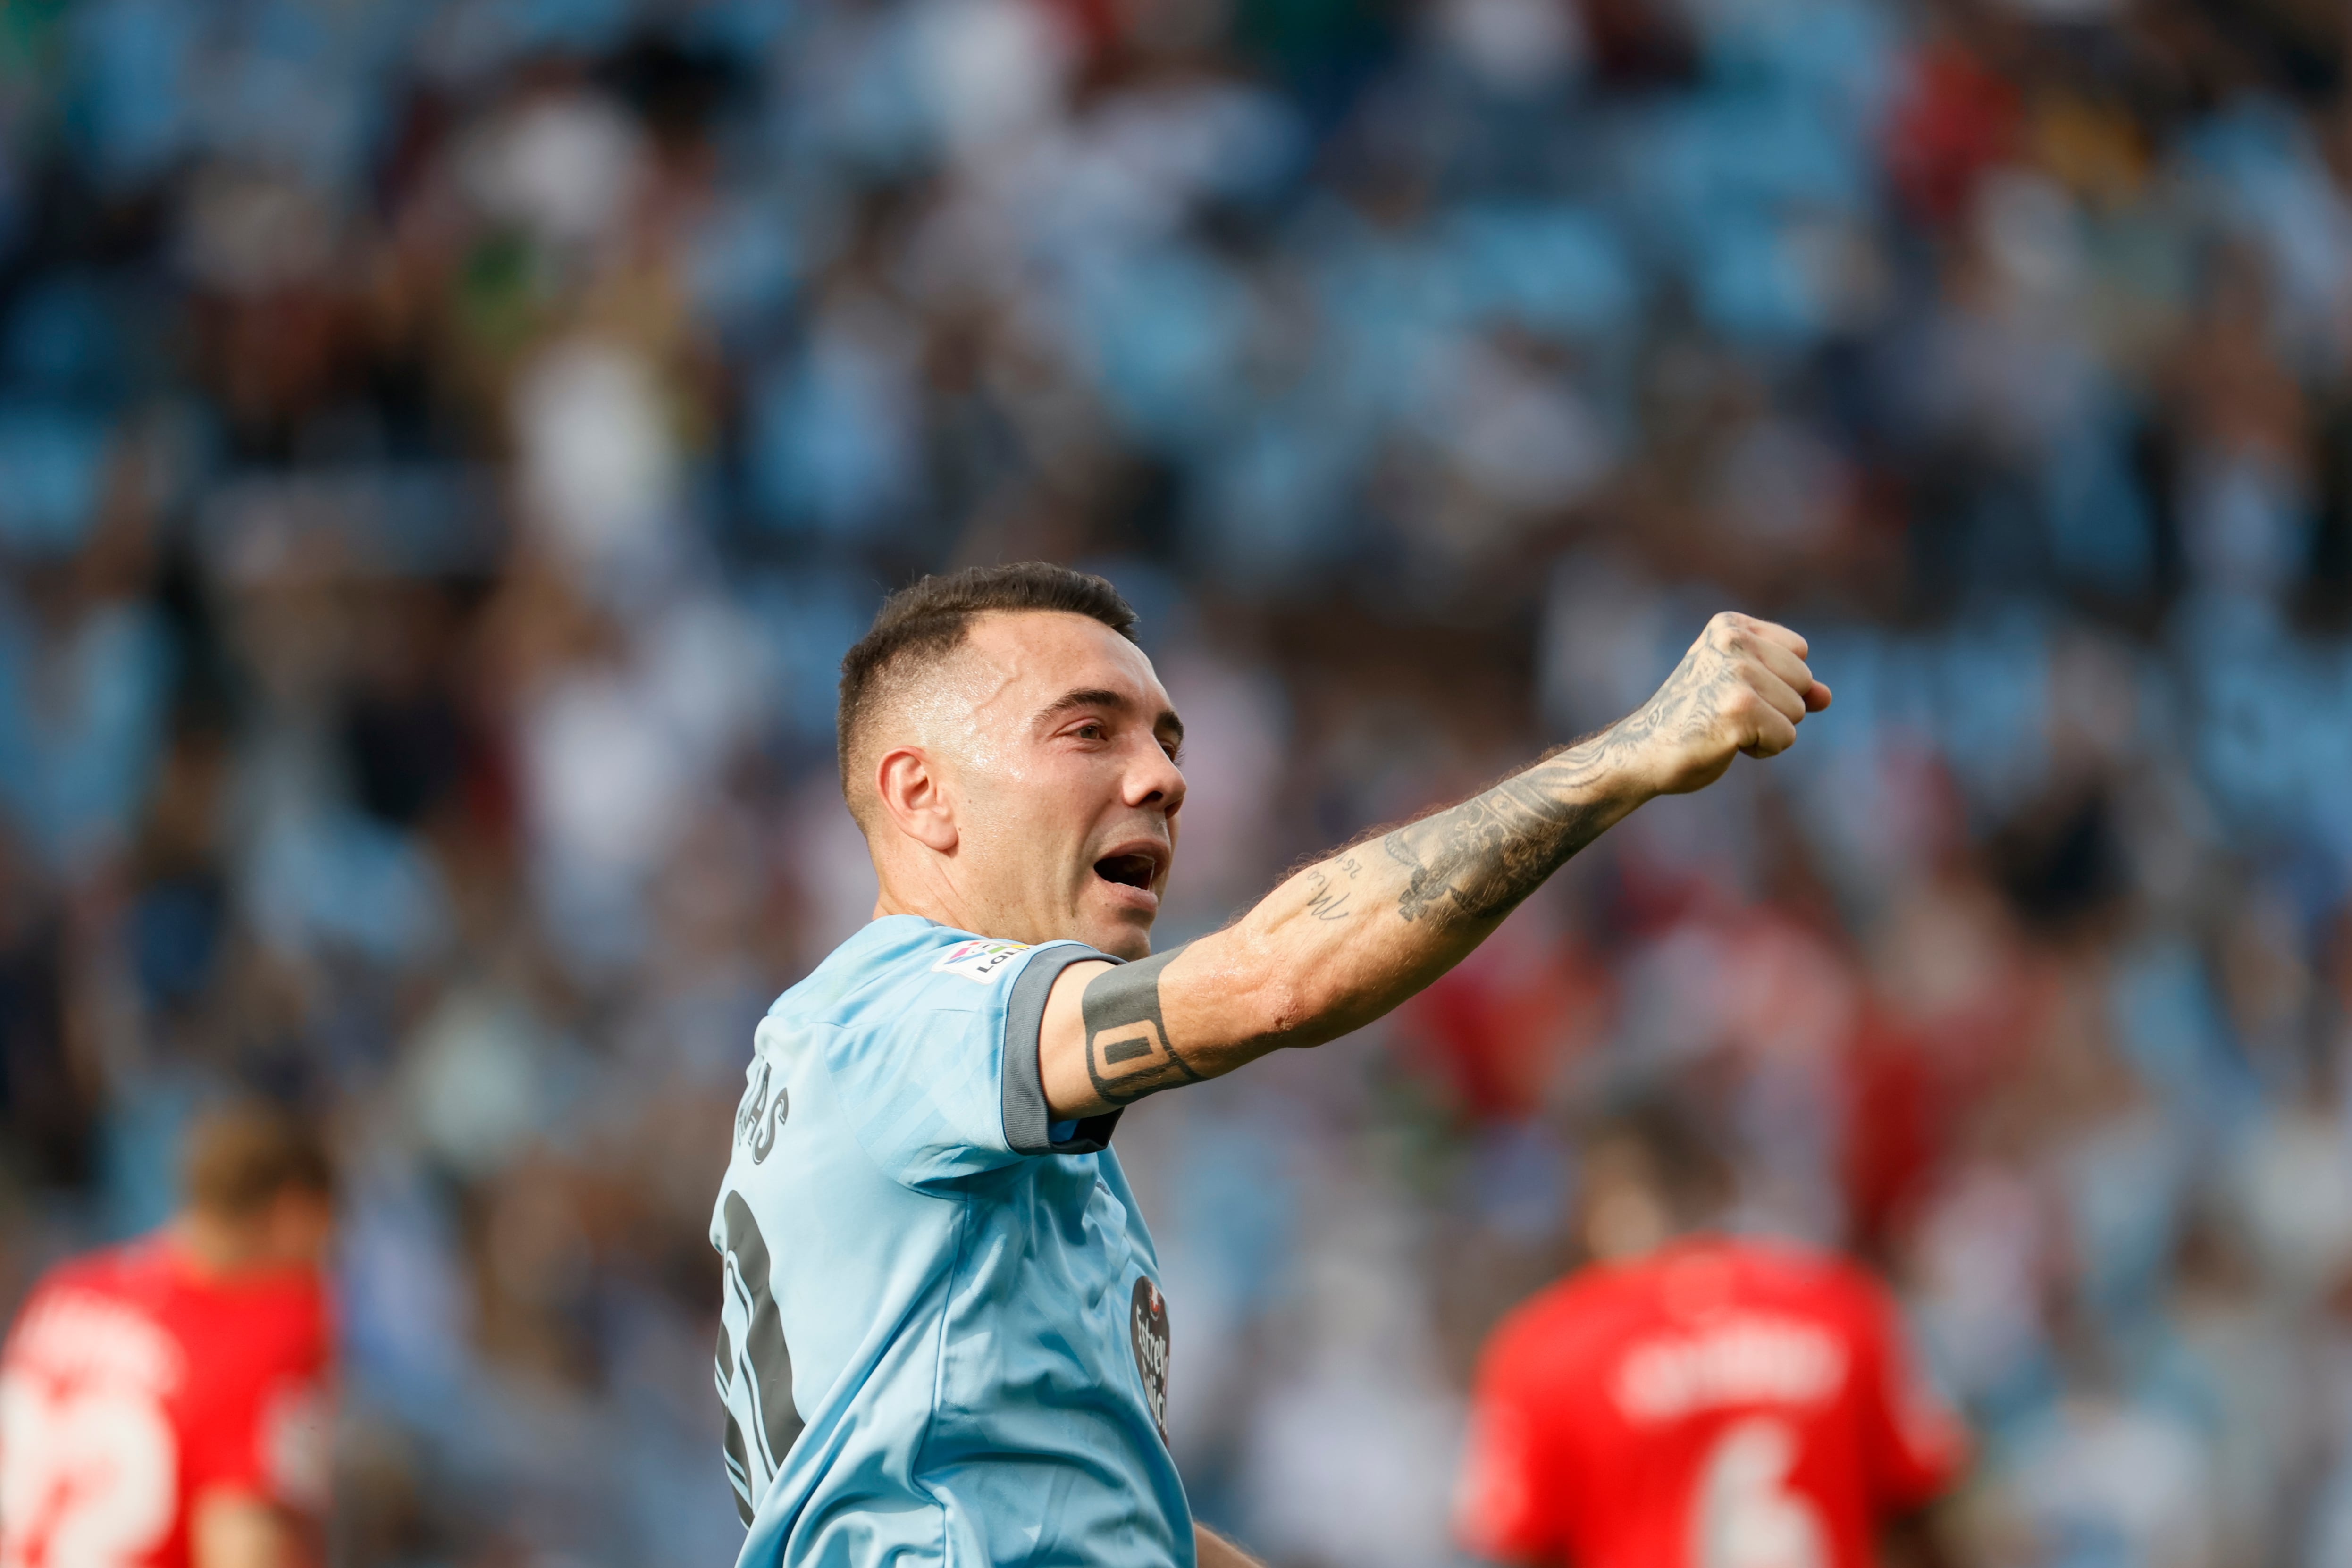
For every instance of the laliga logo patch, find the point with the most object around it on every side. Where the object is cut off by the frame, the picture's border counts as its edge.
(981, 960)
(1146, 1327)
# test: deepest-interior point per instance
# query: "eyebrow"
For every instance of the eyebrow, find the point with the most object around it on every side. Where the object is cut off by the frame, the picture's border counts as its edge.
(1103, 696)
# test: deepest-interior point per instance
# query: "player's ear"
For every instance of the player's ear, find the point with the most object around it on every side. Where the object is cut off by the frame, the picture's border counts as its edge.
(913, 799)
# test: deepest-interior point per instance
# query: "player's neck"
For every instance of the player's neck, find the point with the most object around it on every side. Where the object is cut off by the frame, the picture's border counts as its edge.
(218, 1250)
(931, 898)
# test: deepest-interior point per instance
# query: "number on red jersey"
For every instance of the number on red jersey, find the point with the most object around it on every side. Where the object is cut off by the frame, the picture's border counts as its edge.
(1745, 1514)
(1723, 1405)
(88, 1476)
(133, 1384)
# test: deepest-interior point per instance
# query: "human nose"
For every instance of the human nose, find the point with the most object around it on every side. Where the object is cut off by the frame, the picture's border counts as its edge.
(1155, 780)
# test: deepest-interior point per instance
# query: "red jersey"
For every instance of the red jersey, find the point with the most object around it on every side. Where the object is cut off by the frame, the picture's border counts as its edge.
(133, 1383)
(1720, 1405)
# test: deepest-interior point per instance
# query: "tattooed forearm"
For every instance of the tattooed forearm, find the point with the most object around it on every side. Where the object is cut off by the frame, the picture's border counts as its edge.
(1477, 860)
(1324, 902)
(1682, 710)
(1128, 1052)
(1320, 956)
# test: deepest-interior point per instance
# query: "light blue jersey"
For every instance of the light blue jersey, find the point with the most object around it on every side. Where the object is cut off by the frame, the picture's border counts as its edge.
(943, 1339)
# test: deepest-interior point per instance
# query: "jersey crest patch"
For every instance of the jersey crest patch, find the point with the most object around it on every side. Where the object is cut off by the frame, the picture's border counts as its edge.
(1147, 1325)
(982, 961)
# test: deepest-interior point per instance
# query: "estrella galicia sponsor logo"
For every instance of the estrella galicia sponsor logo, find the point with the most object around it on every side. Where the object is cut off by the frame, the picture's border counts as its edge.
(760, 1116)
(981, 960)
(1146, 1327)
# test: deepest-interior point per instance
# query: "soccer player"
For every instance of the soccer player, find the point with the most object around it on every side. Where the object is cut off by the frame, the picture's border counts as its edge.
(164, 1403)
(943, 1335)
(1700, 1402)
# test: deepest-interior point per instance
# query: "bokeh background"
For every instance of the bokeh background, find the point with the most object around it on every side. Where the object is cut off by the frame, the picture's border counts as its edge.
(445, 447)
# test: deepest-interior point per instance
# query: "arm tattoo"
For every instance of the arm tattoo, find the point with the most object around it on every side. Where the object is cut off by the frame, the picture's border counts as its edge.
(1683, 708)
(1127, 1051)
(1326, 903)
(1482, 857)
(1479, 859)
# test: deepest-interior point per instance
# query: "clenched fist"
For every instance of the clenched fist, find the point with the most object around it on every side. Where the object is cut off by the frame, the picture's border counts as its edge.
(1743, 687)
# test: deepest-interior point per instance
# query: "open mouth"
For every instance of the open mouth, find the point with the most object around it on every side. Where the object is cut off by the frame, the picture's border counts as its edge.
(1128, 871)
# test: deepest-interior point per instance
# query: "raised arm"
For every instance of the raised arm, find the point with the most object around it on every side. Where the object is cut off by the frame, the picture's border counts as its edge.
(1349, 937)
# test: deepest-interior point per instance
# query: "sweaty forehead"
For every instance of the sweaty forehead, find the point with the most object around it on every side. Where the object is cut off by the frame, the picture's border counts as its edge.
(1015, 663)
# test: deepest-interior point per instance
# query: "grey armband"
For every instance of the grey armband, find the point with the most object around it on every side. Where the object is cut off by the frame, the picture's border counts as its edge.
(1028, 1122)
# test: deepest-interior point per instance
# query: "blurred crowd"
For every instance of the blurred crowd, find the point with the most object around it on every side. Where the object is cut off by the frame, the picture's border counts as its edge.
(446, 447)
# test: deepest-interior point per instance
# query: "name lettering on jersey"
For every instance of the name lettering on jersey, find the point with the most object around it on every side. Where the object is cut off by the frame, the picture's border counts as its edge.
(756, 1121)
(1743, 1359)
(981, 961)
(76, 1336)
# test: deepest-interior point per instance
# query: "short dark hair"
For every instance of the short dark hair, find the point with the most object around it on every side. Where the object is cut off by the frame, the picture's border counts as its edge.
(239, 1158)
(928, 619)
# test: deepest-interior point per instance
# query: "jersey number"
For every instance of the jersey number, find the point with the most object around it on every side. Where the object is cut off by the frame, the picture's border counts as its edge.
(86, 1477)
(755, 1370)
(1745, 1515)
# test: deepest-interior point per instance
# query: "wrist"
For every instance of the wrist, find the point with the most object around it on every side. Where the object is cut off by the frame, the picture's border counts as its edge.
(1625, 766)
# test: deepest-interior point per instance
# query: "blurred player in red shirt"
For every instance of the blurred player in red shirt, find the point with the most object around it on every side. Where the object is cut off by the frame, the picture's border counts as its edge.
(1697, 1400)
(164, 1403)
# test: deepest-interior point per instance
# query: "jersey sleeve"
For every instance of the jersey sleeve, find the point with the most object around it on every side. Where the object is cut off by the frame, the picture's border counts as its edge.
(1510, 1504)
(938, 1069)
(1917, 1444)
(270, 1433)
